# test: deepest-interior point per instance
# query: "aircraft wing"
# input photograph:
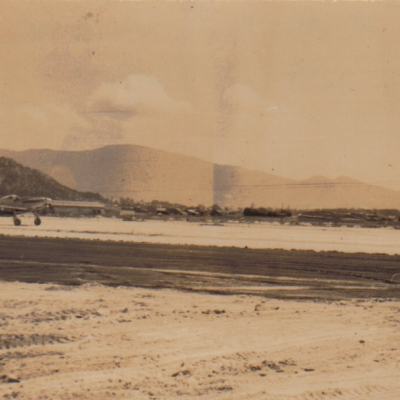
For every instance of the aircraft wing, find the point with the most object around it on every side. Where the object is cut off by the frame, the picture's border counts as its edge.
(11, 208)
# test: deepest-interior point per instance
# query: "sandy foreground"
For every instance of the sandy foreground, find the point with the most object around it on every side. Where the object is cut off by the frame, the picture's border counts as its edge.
(97, 342)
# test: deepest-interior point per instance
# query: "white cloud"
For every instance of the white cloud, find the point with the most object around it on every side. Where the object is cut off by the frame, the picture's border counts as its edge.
(135, 95)
(36, 113)
(245, 99)
(40, 125)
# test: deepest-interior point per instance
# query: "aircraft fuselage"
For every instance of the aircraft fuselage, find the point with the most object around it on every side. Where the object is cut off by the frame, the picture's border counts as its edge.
(13, 205)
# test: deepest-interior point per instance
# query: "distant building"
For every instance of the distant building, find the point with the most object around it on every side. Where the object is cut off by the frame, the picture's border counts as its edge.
(76, 207)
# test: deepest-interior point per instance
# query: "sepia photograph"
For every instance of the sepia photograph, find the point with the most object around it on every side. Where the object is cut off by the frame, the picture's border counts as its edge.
(199, 200)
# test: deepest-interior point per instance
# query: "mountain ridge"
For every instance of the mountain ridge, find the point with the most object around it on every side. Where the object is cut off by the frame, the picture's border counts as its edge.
(28, 182)
(143, 173)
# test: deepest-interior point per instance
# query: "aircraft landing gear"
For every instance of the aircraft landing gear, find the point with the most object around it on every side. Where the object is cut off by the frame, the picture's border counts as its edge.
(37, 221)
(17, 221)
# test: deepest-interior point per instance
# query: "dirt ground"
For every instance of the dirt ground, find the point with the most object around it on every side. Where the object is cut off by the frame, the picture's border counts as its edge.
(91, 319)
(98, 342)
(279, 274)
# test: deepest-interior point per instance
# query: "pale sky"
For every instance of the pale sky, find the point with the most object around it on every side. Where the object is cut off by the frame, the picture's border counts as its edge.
(293, 88)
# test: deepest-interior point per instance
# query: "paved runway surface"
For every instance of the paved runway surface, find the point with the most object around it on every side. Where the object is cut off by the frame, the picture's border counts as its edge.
(272, 273)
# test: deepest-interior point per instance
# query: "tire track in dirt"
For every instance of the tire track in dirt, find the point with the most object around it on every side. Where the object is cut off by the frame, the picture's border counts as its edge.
(363, 392)
(10, 341)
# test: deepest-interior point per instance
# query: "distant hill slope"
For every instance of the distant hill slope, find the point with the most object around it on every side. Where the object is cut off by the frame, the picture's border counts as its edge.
(242, 186)
(25, 182)
(137, 172)
(142, 173)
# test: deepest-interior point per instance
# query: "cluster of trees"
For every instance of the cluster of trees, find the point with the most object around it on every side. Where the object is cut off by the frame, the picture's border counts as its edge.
(266, 212)
(157, 207)
(164, 207)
